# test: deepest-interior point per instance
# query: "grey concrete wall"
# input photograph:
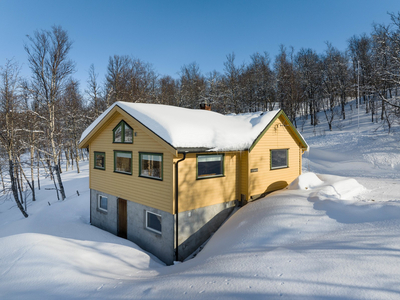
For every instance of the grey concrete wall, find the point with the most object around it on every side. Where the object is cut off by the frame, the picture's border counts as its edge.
(196, 226)
(161, 245)
(105, 220)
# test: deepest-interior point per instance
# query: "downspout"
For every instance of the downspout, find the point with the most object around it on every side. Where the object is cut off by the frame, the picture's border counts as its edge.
(176, 206)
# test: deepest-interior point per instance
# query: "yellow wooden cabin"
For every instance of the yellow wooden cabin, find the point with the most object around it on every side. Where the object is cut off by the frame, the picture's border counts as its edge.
(167, 177)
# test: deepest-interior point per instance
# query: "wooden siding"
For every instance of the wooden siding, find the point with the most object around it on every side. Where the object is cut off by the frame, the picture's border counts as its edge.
(195, 193)
(266, 180)
(244, 175)
(151, 192)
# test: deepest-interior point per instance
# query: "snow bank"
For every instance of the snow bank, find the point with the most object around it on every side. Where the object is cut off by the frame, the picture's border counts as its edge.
(305, 182)
(338, 188)
(329, 186)
(196, 128)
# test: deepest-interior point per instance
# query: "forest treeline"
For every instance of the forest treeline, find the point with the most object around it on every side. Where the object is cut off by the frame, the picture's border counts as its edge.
(42, 117)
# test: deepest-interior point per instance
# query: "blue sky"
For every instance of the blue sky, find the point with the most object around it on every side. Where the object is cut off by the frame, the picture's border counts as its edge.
(169, 34)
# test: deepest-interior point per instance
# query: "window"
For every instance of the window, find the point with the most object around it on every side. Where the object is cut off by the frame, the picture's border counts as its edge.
(100, 160)
(210, 166)
(123, 133)
(279, 159)
(102, 203)
(123, 162)
(153, 222)
(151, 165)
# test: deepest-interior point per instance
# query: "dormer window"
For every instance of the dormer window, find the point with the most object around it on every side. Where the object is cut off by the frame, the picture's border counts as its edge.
(123, 133)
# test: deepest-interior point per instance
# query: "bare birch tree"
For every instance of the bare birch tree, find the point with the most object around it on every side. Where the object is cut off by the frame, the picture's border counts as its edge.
(48, 60)
(9, 112)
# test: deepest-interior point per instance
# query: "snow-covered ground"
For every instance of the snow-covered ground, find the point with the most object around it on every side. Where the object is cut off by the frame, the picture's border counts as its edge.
(334, 233)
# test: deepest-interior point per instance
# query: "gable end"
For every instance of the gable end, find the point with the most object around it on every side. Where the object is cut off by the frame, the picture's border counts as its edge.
(302, 142)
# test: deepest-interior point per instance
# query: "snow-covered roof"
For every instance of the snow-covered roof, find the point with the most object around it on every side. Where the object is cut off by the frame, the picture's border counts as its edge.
(195, 128)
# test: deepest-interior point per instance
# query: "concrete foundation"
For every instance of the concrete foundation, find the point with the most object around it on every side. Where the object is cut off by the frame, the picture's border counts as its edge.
(106, 220)
(195, 226)
(161, 245)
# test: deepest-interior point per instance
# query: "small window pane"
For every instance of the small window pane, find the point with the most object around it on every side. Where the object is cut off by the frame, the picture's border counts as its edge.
(151, 165)
(103, 202)
(128, 134)
(123, 162)
(210, 165)
(153, 222)
(278, 159)
(118, 134)
(99, 160)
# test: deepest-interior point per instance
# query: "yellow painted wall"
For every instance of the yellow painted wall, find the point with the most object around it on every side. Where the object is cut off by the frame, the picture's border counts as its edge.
(244, 174)
(195, 193)
(266, 180)
(154, 193)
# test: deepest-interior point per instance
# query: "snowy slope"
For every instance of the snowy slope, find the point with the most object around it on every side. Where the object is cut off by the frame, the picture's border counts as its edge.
(325, 237)
(347, 151)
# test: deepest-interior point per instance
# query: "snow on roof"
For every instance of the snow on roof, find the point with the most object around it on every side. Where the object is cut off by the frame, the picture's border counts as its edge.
(195, 128)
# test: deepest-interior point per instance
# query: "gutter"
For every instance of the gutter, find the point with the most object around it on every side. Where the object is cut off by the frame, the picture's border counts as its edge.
(176, 206)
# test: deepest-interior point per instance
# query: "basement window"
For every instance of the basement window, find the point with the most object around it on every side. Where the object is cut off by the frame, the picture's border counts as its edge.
(153, 222)
(102, 203)
(210, 166)
(123, 133)
(279, 158)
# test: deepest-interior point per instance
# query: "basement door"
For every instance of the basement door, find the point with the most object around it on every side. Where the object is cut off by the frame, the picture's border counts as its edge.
(122, 218)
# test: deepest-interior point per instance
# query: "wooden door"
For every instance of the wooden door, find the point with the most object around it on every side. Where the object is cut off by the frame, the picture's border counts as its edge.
(122, 218)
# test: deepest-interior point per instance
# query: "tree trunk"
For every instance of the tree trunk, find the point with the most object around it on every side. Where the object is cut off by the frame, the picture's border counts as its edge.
(51, 132)
(372, 109)
(2, 180)
(32, 173)
(343, 100)
(38, 169)
(49, 167)
(15, 189)
(66, 160)
(59, 162)
(72, 158)
(31, 186)
(77, 156)
(19, 184)
(60, 184)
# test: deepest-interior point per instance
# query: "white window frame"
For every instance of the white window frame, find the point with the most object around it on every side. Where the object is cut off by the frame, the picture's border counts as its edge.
(99, 202)
(146, 224)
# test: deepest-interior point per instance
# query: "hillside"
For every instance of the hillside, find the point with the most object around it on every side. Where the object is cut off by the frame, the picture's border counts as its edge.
(332, 234)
